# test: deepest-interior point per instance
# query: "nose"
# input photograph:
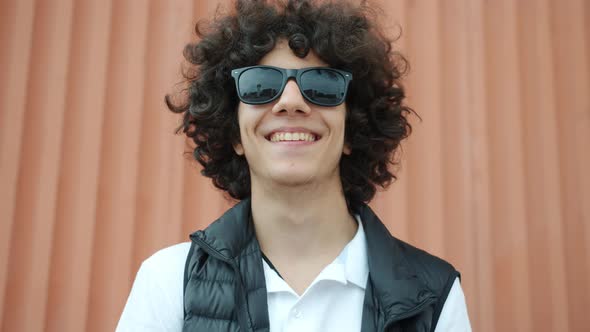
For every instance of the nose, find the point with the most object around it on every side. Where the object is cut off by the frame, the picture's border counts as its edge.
(291, 102)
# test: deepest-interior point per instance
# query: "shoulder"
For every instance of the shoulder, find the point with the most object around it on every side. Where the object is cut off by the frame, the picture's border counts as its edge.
(165, 268)
(406, 259)
(155, 301)
(169, 256)
(437, 273)
(440, 277)
(427, 265)
(160, 276)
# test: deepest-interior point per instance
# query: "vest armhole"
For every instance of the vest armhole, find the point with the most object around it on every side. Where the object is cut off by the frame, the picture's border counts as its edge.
(186, 272)
(445, 293)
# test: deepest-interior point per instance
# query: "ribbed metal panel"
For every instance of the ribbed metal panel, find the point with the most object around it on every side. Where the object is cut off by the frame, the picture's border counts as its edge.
(494, 179)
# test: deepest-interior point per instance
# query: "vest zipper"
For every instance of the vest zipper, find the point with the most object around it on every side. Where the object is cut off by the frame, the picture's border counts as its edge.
(407, 314)
(242, 310)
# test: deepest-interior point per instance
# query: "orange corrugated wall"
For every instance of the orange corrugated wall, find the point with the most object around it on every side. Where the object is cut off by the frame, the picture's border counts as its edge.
(495, 179)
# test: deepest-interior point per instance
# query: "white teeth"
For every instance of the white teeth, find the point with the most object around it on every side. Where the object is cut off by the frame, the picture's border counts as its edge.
(279, 137)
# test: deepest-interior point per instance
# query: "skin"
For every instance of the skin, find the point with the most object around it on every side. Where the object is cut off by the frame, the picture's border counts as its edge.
(298, 206)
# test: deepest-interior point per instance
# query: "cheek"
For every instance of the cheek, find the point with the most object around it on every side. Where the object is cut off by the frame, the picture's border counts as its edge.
(248, 120)
(342, 130)
(239, 147)
(339, 123)
(243, 121)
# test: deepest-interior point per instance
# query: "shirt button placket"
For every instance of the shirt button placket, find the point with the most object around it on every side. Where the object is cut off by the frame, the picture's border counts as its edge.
(294, 322)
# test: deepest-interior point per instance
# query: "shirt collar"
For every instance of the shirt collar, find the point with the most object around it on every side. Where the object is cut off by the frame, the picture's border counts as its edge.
(351, 265)
(355, 253)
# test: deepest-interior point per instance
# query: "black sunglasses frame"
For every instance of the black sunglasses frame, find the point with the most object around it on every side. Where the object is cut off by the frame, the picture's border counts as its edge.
(292, 73)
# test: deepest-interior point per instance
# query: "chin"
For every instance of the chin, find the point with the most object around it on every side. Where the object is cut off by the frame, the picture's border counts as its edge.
(292, 173)
(289, 176)
(293, 182)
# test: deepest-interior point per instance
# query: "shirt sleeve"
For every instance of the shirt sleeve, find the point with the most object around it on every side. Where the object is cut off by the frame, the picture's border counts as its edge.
(454, 316)
(156, 299)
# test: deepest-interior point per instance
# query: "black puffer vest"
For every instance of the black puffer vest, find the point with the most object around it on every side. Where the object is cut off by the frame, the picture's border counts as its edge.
(225, 290)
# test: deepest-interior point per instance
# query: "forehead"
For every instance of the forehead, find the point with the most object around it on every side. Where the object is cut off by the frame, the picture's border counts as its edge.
(282, 56)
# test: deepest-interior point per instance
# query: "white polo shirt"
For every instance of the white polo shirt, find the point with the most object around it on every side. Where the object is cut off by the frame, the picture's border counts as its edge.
(332, 302)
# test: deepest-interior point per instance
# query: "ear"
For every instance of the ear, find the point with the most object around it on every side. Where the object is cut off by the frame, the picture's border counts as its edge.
(239, 149)
(346, 149)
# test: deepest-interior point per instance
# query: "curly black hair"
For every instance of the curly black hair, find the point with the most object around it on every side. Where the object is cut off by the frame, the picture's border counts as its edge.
(342, 34)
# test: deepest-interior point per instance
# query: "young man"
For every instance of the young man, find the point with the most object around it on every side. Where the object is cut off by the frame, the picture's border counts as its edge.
(296, 110)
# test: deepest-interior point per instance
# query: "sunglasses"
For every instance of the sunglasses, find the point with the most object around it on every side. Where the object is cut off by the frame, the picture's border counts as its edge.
(319, 85)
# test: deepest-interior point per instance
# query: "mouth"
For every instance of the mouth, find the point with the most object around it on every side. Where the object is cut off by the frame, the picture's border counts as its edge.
(303, 136)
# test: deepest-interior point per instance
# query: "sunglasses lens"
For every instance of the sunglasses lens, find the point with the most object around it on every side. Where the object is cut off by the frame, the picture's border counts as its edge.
(324, 86)
(259, 85)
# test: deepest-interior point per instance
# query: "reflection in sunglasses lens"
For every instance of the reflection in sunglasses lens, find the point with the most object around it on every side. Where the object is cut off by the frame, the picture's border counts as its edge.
(261, 85)
(323, 86)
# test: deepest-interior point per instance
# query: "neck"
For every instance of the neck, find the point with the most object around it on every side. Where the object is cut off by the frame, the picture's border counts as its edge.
(301, 224)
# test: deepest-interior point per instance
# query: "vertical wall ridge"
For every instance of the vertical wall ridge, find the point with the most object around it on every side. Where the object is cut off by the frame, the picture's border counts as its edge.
(572, 102)
(116, 213)
(456, 163)
(542, 167)
(16, 34)
(424, 155)
(483, 315)
(77, 188)
(28, 267)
